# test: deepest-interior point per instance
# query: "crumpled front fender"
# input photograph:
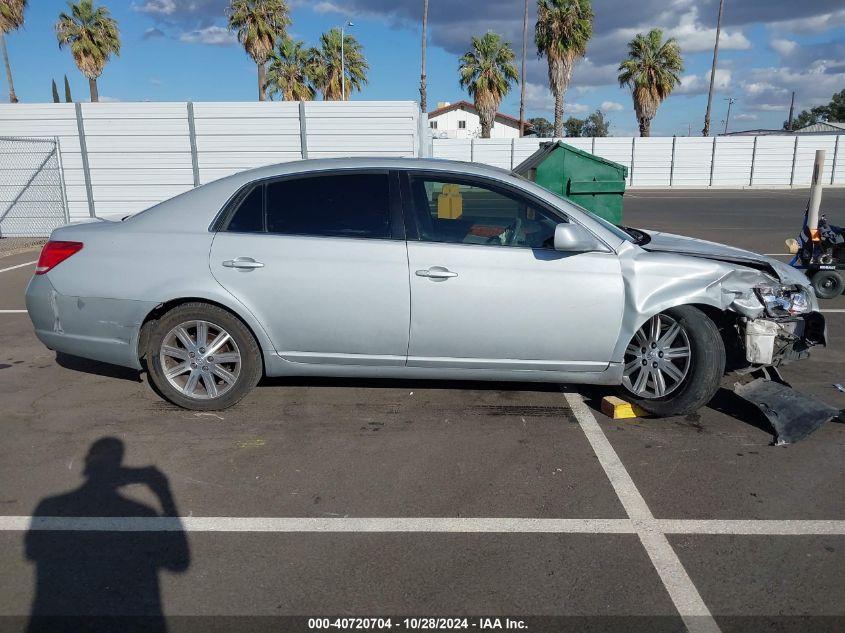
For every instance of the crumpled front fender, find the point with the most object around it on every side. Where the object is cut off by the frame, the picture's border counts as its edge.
(657, 281)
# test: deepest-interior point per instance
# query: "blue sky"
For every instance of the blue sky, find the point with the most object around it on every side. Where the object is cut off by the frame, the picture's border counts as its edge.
(178, 50)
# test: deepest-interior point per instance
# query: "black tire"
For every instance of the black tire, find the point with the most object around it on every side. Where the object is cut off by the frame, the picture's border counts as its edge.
(250, 368)
(827, 284)
(707, 366)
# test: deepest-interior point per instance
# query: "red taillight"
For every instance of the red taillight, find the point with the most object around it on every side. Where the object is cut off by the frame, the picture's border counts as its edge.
(54, 253)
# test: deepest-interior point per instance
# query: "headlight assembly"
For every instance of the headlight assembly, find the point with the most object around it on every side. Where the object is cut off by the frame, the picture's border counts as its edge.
(783, 301)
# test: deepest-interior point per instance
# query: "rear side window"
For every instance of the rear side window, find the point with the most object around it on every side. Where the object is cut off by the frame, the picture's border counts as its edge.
(346, 205)
(249, 217)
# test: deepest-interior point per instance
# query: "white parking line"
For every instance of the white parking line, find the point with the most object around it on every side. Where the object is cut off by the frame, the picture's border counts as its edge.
(823, 311)
(462, 525)
(760, 527)
(319, 524)
(679, 585)
(12, 311)
(3, 270)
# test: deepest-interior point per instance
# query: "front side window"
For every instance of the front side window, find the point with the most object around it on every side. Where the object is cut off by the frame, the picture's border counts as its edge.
(466, 213)
(333, 205)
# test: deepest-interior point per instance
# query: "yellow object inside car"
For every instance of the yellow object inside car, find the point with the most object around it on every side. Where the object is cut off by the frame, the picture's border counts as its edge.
(450, 203)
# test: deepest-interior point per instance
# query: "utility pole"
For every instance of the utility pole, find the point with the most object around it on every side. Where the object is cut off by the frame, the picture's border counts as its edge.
(791, 112)
(522, 74)
(423, 98)
(730, 101)
(706, 130)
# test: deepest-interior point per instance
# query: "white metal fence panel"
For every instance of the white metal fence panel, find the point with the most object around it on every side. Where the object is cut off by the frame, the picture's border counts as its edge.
(732, 161)
(32, 195)
(523, 148)
(691, 161)
(773, 161)
(232, 137)
(619, 150)
(137, 134)
(362, 128)
(837, 163)
(493, 151)
(455, 149)
(652, 162)
(805, 156)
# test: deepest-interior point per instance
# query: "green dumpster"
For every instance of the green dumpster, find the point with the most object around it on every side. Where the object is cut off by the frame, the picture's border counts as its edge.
(594, 183)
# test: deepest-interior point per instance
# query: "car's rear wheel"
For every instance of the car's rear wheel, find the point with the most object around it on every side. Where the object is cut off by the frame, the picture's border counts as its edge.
(201, 357)
(674, 363)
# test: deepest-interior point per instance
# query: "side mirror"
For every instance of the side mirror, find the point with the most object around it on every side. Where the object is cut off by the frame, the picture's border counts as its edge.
(574, 238)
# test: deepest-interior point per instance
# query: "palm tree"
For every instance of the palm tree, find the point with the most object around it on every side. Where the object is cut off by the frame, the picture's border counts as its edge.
(93, 37)
(563, 29)
(259, 23)
(651, 72)
(487, 72)
(328, 66)
(291, 71)
(11, 19)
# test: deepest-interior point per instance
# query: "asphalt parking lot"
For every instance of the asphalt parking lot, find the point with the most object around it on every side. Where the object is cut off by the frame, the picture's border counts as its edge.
(375, 498)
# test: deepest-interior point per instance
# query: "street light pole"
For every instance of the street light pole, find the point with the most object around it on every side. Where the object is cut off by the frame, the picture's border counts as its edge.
(343, 61)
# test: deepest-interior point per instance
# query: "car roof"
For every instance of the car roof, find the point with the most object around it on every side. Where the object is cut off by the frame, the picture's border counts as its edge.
(366, 162)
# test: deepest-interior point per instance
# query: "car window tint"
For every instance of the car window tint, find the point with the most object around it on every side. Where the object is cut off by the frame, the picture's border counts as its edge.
(463, 213)
(249, 217)
(348, 205)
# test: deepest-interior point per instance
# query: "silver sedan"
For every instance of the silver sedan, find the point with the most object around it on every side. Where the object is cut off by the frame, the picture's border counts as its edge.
(410, 269)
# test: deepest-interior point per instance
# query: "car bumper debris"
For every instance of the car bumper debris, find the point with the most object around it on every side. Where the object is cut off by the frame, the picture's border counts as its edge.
(792, 414)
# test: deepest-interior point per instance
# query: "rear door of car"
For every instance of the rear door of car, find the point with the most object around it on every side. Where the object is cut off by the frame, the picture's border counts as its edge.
(488, 289)
(321, 260)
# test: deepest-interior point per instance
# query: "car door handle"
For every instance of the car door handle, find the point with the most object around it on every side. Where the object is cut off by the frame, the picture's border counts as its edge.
(437, 272)
(243, 263)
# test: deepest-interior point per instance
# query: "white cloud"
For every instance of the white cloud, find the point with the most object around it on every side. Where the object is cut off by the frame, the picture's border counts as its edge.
(813, 24)
(783, 46)
(213, 35)
(327, 7)
(157, 7)
(745, 116)
(611, 106)
(769, 89)
(539, 97)
(699, 84)
(695, 38)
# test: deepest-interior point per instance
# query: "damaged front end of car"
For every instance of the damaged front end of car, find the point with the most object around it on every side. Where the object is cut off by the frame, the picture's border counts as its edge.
(782, 327)
(766, 312)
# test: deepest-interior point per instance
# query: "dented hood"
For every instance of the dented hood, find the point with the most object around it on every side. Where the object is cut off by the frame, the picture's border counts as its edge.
(682, 245)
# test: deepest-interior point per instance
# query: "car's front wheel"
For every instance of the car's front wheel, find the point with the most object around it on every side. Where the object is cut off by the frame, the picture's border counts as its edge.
(201, 357)
(674, 363)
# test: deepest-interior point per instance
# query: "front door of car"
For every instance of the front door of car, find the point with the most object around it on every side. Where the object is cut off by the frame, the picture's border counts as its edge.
(321, 261)
(488, 290)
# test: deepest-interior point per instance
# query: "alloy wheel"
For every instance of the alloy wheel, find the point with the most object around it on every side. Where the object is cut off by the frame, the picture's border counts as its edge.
(199, 359)
(657, 359)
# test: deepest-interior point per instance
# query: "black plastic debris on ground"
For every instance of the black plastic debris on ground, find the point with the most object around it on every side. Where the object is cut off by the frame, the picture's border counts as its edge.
(792, 414)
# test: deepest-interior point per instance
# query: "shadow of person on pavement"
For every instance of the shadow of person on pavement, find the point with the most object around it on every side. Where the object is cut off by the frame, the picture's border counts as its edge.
(90, 578)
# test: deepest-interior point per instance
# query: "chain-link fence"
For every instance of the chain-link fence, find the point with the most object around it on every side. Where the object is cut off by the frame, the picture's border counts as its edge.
(32, 191)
